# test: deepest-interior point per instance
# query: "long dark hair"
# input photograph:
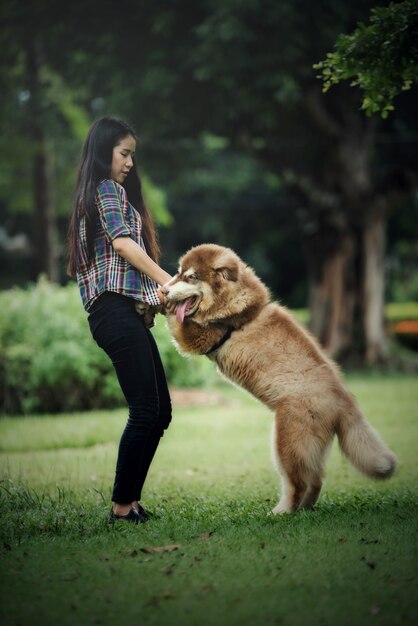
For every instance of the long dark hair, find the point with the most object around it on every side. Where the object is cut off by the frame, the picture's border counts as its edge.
(96, 161)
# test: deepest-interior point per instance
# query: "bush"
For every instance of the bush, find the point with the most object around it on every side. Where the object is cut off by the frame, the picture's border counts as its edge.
(50, 363)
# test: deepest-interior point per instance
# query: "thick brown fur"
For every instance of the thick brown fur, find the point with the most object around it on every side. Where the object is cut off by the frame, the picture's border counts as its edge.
(273, 357)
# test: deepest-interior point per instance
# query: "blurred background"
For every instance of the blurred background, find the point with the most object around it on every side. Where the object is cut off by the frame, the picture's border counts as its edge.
(238, 145)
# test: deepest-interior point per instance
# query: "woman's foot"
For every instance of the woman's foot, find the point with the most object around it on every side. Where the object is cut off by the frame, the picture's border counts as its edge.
(132, 516)
(129, 512)
(143, 514)
(122, 509)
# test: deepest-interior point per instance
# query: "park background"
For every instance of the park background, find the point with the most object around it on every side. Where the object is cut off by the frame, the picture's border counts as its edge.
(239, 145)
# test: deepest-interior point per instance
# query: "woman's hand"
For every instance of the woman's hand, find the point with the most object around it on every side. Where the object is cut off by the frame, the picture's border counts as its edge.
(169, 307)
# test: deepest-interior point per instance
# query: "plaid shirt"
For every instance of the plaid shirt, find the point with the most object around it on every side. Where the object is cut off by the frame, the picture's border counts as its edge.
(108, 271)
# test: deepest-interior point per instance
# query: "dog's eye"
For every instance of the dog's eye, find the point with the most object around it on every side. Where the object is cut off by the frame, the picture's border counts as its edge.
(190, 278)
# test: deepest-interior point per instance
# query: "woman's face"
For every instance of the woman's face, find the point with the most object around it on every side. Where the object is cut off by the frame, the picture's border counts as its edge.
(122, 159)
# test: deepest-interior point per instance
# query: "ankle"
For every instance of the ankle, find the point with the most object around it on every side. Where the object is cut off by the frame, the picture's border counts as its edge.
(121, 509)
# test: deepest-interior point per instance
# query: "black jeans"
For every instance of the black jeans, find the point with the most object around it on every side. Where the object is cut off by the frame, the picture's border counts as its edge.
(120, 332)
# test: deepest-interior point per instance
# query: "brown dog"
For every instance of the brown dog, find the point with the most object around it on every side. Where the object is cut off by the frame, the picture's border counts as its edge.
(223, 310)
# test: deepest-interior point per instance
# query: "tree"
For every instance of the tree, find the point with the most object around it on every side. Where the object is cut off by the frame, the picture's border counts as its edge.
(52, 87)
(381, 57)
(255, 59)
(39, 111)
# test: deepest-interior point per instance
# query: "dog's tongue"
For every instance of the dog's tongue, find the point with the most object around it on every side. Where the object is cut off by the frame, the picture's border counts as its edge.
(181, 310)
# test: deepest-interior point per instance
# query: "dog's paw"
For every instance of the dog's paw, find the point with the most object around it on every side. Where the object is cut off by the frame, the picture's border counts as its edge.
(281, 509)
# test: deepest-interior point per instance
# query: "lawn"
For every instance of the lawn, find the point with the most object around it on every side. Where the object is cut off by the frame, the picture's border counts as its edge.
(225, 560)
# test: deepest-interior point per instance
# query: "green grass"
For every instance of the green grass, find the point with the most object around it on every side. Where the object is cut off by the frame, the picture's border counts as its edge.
(352, 561)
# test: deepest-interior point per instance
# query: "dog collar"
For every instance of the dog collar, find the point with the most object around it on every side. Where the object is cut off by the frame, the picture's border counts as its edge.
(221, 341)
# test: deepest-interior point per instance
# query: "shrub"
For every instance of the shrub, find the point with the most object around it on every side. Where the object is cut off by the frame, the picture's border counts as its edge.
(50, 363)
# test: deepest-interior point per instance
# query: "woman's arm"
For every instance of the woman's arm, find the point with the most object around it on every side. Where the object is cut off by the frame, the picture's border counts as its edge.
(132, 252)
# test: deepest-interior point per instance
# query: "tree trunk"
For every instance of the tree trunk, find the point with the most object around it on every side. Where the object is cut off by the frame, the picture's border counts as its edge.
(45, 220)
(373, 290)
(347, 293)
(47, 252)
(346, 296)
(332, 299)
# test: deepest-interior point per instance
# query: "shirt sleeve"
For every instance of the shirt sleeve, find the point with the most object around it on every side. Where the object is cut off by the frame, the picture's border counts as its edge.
(110, 201)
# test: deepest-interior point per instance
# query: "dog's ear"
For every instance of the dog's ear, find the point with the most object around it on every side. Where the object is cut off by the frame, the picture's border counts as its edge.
(227, 267)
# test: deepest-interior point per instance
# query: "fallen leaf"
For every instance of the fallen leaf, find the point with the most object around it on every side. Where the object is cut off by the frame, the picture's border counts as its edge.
(169, 548)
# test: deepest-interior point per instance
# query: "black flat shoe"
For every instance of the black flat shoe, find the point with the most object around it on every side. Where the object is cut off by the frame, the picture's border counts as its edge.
(133, 516)
(144, 515)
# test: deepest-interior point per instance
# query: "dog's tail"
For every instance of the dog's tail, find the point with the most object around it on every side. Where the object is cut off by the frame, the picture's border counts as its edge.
(364, 447)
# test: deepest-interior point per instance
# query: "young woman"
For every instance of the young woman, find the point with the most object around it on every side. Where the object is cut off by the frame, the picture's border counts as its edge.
(113, 252)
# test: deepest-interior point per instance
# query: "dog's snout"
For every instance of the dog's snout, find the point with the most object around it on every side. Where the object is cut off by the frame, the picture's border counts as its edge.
(166, 288)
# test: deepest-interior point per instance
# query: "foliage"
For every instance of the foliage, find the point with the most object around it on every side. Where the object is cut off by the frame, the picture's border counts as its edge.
(156, 200)
(46, 359)
(264, 101)
(230, 200)
(381, 57)
(50, 363)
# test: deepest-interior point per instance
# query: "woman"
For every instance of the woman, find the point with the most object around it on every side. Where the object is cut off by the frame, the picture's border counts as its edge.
(113, 252)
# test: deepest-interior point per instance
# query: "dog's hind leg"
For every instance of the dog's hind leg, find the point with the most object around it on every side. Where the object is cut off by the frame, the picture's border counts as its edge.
(293, 486)
(296, 495)
(300, 456)
(312, 494)
(292, 494)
